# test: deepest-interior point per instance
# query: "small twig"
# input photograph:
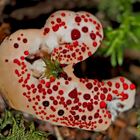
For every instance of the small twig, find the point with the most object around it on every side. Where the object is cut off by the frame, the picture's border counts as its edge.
(57, 132)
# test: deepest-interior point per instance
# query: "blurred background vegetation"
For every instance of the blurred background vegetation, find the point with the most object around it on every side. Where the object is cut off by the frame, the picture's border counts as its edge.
(119, 54)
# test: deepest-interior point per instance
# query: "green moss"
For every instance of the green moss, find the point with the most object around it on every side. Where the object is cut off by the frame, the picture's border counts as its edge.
(18, 129)
(127, 35)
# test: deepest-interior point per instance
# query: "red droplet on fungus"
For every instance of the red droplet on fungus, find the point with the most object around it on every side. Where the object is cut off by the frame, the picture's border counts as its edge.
(77, 19)
(63, 14)
(85, 29)
(89, 85)
(24, 40)
(26, 52)
(109, 83)
(58, 20)
(117, 85)
(94, 44)
(96, 115)
(89, 107)
(109, 97)
(16, 45)
(93, 36)
(55, 28)
(73, 93)
(102, 96)
(75, 34)
(102, 104)
(125, 86)
(46, 30)
(86, 96)
(132, 86)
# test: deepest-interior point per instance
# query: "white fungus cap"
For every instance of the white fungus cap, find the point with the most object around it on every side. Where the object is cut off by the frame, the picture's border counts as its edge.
(68, 37)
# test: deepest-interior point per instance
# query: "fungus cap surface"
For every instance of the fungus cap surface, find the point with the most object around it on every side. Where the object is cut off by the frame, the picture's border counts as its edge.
(69, 38)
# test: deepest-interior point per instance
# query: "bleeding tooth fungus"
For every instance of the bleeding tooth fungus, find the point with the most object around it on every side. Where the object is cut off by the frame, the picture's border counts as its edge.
(68, 37)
